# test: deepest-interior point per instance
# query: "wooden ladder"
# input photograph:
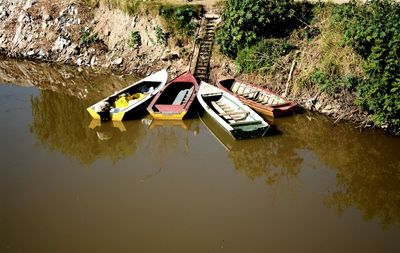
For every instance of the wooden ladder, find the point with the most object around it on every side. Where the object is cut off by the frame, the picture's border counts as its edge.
(202, 68)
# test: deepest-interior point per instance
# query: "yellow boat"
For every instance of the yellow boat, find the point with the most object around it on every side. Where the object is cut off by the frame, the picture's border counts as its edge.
(131, 101)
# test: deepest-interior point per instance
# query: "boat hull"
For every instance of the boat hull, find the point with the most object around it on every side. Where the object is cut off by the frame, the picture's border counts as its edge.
(250, 126)
(277, 110)
(136, 96)
(164, 116)
(175, 100)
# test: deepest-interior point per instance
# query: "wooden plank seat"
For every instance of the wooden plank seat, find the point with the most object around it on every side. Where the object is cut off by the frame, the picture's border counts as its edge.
(228, 113)
(187, 96)
(180, 97)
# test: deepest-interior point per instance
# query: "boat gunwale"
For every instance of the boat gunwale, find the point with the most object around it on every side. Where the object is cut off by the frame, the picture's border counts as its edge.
(231, 129)
(266, 109)
(192, 80)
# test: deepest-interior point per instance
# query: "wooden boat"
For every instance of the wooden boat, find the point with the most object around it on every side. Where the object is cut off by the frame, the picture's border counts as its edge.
(236, 118)
(175, 99)
(261, 100)
(130, 101)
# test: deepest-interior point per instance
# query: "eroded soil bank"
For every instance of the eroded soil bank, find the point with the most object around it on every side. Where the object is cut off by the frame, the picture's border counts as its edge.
(71, 32)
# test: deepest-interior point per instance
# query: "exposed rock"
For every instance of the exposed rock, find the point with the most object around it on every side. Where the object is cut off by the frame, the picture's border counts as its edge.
(318, 105)
(29, 4)
(51, 32)
(118, 61)
(24, 18)
(46, 15)
(79, 62)
(30, 53)
(93, 61)
(60, 43)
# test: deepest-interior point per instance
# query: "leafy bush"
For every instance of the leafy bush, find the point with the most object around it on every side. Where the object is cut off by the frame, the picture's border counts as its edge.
(373, 30)
(87, 39)
(334, 83)
(245, 22)
(262, 55)
(135, 39)
(181, 17)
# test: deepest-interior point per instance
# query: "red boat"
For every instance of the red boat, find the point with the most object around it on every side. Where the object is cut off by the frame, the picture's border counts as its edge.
(175, 99)
(261, 100)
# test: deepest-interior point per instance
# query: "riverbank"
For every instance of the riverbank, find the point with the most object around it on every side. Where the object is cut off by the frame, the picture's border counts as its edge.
(330, 58)
(73, 33)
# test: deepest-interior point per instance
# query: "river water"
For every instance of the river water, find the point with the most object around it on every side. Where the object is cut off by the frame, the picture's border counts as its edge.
(70, 184)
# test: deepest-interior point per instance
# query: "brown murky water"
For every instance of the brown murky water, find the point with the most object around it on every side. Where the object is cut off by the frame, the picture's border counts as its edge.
(68, 184)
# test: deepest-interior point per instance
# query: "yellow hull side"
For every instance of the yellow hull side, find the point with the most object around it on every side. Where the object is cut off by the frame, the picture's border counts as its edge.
(161, 116)
(94, 114)
(117, 116)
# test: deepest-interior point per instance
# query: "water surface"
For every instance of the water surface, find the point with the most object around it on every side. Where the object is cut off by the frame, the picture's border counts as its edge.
(71, 184)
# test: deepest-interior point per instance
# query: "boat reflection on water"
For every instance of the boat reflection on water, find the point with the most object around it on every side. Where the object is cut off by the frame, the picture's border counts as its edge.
(265, 157)
(60, 123)
(168, 123)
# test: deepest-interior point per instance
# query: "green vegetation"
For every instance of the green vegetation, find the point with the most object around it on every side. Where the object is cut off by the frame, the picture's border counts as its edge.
(180, 18)
(352, 48)
(374, 33)
(161, 36)
(128, 6)
(326, 62)
(262, 55)
(246, 22)
(135, 39)
(87, 39)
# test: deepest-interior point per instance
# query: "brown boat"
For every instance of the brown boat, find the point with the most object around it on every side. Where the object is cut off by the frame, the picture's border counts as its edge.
(261, 100)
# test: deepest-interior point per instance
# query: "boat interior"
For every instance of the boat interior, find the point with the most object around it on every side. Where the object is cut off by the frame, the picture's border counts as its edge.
(176, 95)
(230, 112)
(143, 88)
(252, 93)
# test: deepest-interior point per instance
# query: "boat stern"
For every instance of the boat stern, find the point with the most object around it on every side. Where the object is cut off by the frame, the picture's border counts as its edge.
(93, 113)
(250, 132)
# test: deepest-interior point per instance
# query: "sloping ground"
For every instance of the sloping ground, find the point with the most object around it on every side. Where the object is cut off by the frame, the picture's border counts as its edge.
(319, 52)
(71, 32)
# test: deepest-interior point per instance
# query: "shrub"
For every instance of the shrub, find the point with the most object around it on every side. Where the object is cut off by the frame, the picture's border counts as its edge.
(87, 39)
(135, 39)
(181, 17)
(373, 30)
(262, 55)
(161, 36)
(245, 22)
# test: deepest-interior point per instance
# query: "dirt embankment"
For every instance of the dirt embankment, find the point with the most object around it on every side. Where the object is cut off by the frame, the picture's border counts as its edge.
(72, 33)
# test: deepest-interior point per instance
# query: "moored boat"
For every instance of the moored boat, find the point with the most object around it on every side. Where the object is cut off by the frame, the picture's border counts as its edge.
(236, 118)
(260, 99)
(131, 101)
(175, 99)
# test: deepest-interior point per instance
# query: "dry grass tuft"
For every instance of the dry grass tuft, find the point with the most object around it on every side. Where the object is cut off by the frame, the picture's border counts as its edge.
(326, 53)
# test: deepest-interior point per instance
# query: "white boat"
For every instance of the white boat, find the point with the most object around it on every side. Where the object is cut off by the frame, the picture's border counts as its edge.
(130, 102)
(236, 118)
